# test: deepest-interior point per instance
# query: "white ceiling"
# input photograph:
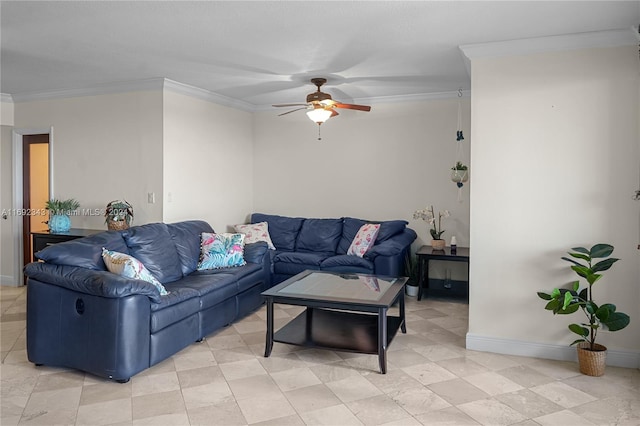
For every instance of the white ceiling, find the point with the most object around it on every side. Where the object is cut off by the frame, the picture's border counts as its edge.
(265, 52)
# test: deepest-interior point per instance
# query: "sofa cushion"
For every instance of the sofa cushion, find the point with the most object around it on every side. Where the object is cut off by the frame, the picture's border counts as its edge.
(350, 227)
(295, 262)
(84, 252)
(221, 251)
(186, 237)
(390, 228)
(283, 230)
(212, 288)
(180, 303)
(319, 235)
(152, 245)
(347, 263)
(130, 267)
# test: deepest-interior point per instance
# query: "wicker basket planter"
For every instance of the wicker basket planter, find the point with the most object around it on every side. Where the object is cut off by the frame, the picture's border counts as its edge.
(117, 225)
(591, 363)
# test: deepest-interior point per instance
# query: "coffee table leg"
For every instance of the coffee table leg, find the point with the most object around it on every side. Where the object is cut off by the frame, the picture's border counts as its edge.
(382, 340)
(269, 343)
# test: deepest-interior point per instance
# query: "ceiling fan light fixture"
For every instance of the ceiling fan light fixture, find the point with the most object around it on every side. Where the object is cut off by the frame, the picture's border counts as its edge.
(319, 115)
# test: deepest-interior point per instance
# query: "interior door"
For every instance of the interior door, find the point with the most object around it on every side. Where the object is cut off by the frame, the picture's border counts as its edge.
(35, 179)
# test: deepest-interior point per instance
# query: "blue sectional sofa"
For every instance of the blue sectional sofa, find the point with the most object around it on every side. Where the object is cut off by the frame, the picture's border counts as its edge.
(82, 316)
(322, 244)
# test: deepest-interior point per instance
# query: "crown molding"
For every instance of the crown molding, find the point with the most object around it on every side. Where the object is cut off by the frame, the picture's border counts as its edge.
(6, 98)
(207, 95)
(102, 89)
(132, 86)
(596, 39)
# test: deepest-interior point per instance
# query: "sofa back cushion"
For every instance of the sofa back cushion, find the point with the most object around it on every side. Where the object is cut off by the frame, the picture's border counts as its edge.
(350, 227)
(152, 245)
(186, 237)
(282, 230)
(319, 235)
(84, 252)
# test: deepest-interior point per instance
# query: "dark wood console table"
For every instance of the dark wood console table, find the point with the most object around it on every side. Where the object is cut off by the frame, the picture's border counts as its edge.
(43, 239)
(427, 253)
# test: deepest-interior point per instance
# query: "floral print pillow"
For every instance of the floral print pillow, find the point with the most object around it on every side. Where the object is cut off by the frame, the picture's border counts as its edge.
(221, 251)
(255, 232)
(130, 267)
(364, 239)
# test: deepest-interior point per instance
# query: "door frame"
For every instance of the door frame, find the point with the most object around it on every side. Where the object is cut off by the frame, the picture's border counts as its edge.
(18, 184)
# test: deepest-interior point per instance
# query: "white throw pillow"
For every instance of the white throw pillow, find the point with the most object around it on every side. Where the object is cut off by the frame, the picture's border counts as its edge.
(364, 239)
(130, 267)
(255, 232)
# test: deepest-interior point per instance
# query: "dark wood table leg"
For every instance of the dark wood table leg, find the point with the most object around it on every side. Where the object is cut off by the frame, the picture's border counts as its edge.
(269, 343)
(403, 324)
(382, 340)
(420, 276)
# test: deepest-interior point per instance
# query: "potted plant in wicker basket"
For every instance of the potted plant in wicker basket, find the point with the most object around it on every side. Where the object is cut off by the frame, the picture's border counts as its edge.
(118, 215)
(591, 355)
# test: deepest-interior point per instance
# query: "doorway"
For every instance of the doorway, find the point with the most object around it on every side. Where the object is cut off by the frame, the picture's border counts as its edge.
(35, 189)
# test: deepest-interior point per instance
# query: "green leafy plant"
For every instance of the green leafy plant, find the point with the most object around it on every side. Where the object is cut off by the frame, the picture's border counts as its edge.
(427, 214)
(61, 207)
(459, 166)
(119, 210)
(568, 301)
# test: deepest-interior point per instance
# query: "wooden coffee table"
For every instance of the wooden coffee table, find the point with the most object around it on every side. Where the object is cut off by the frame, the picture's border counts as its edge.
(344, 312)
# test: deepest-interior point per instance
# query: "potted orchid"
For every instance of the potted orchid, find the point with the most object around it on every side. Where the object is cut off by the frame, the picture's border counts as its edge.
(428, 215)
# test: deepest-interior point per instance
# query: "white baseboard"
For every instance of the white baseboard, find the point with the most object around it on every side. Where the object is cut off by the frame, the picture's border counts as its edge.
(615, 358)
(8, 280)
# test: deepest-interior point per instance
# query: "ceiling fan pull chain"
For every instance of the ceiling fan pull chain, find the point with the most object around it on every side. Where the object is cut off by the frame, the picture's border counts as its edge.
(319, 138)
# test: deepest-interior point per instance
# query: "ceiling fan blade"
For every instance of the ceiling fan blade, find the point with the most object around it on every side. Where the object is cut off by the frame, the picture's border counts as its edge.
(288, 105)
(352, 106)
(293, 110)
(333, 113)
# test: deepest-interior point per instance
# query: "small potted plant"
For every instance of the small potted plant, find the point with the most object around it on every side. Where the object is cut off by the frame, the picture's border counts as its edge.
(118, 215)
(412, 271)
(427, 214)
(591, 355)
(459, 173)
(59, 211)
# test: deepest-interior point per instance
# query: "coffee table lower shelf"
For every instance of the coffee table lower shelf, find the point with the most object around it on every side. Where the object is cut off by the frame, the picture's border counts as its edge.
(337, 330)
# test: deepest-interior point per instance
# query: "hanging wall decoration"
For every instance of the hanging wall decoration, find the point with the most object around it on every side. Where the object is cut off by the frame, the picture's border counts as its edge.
(459, 172)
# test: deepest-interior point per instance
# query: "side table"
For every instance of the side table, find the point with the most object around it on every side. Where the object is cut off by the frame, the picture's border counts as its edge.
(427, 253)
(43, 239)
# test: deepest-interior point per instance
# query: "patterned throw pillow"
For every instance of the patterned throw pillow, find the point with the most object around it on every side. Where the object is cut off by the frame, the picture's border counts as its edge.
(255, 232)
(130, 267)
(221, 251)
(364, 239)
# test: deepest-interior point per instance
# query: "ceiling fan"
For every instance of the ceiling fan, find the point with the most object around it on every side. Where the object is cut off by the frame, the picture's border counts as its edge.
(320, 106)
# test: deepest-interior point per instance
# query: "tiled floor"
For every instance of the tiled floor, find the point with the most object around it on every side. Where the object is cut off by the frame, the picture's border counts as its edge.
(432, 380)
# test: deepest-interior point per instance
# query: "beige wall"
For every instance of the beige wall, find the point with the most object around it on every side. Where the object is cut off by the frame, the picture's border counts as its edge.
(208, 162)
(105, 147)
(555, 163)
(380, 165)
(6, 197)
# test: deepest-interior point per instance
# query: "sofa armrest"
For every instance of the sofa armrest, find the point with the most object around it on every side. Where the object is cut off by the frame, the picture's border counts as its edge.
(255, 252)
(393, 246)
(98, 283)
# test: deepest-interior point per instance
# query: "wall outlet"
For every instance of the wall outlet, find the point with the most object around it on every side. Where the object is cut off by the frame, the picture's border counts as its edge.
(151, 197)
